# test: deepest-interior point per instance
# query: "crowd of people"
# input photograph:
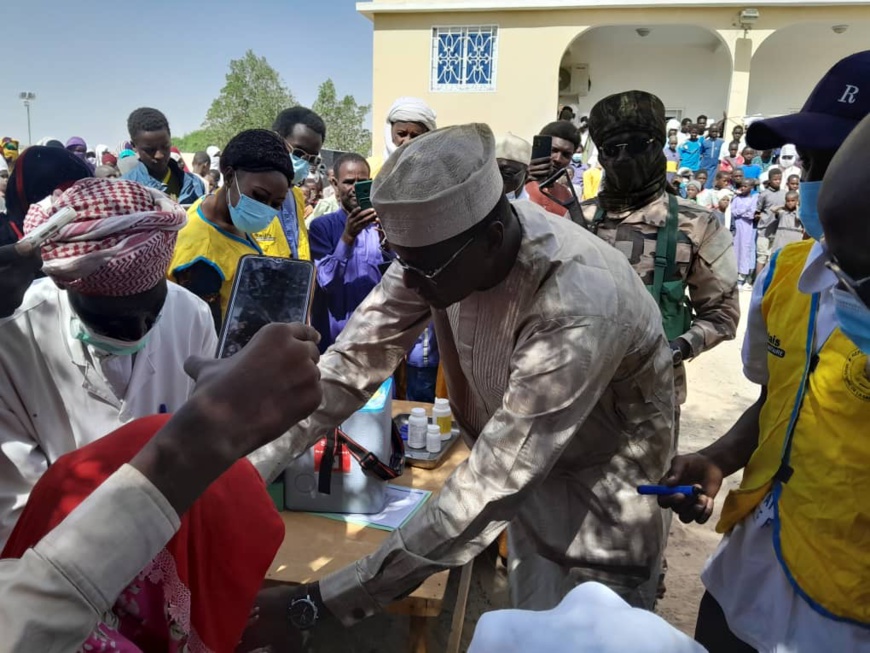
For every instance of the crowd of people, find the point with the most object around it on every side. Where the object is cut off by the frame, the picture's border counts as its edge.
(754, 194)
(555, 300)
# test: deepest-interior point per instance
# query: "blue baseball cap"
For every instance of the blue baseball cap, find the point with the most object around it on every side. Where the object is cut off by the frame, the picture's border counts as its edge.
(835, 107)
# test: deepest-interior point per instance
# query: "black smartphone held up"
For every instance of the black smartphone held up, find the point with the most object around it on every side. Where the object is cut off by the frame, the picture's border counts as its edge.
(266, 289)
(542, 147)
(363, 190)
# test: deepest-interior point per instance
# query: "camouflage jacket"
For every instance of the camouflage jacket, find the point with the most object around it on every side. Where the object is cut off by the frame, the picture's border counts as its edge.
(705, 262)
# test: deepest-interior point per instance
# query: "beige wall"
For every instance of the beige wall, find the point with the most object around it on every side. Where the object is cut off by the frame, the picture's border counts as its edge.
(689, 68)
(532, 43)
(787, 65)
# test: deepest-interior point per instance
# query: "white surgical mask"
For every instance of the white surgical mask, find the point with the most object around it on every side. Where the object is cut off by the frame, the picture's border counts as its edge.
(106, 344)
(853, 317)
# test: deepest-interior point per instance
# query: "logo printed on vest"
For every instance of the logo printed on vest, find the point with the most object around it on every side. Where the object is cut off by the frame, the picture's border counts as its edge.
(855, 375)
(849, 94)
(774, 346)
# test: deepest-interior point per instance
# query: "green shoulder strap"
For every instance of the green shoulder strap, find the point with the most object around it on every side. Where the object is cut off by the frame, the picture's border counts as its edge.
(666, 250)
(600, 214)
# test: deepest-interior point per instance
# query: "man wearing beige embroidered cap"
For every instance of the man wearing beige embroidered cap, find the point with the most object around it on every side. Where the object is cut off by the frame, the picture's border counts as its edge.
(558, 370)
(513, 155)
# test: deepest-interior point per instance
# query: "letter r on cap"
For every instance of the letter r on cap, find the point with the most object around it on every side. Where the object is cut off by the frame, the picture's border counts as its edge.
(849, 94)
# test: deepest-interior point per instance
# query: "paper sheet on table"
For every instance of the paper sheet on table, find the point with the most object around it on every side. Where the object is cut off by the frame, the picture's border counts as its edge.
(402, 504)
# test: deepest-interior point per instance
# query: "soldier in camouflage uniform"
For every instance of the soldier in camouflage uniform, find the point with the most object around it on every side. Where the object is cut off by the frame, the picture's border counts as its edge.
(632, 209)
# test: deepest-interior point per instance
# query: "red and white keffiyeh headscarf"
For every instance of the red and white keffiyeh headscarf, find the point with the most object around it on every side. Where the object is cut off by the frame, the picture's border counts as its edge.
(120, 243)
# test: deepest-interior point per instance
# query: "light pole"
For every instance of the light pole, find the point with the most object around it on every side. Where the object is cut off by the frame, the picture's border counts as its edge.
(27, 97)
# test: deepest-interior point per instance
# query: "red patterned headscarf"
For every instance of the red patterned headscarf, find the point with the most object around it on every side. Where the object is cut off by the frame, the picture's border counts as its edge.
(120, 243)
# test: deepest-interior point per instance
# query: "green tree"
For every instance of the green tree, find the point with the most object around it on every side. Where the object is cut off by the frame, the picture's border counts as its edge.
(195, 141)
(251, 98)
(344, 120)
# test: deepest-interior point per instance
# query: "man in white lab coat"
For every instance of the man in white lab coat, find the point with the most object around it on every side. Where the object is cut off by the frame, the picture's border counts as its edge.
(102, 340)
(55, 594)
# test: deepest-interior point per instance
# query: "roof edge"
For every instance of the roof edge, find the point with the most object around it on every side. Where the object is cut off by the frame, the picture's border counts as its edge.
(370, 9)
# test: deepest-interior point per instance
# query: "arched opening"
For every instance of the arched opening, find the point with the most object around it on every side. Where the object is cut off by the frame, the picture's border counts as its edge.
(791, 61)
(688, 67)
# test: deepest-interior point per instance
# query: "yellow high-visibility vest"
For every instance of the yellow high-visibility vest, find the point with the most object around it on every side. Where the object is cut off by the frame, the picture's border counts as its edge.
(813, 451)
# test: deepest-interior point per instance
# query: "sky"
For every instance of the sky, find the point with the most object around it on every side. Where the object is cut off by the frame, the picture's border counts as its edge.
(91, 62)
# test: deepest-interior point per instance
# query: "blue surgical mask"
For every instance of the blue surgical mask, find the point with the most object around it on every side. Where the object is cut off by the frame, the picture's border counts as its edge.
(853, 316)
(248, 214)
(577, 157)
(105, 343)
(301, 168)
(809, 212)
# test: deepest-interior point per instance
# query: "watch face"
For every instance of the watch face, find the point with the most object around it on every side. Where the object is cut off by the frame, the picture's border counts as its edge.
(303, 613)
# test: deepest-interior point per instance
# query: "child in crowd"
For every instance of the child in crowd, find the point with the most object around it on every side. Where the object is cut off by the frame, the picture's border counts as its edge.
(737, 177)
(214, 180)
(743, 215)
(692, 190)
(750, 170)
(764, 160)
(788, 225)
(709, 198)
(684, 176)
(793, 184)
(690, 150)
(756, 185)
(733, 160)
(721, 211)
(701, 178)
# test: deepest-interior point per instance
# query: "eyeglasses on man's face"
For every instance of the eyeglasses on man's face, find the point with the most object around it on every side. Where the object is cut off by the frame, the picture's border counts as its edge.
(314, 160)
(859, 289)
(432, 276)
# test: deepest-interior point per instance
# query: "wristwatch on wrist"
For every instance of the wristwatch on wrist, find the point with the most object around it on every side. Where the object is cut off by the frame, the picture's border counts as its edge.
(303, 612)
(677, 348)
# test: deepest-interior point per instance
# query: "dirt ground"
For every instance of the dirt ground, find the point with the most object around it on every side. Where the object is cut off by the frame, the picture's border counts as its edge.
(718, 394)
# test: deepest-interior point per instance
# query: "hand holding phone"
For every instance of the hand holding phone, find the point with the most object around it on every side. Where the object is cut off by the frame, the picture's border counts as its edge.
(363, 192)
(541, 167)
(265, 290)
(542, 147)
(357, 220)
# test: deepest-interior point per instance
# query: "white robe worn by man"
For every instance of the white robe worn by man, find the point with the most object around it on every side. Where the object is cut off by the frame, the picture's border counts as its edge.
(591, 619)
(560, 376)
(58, 393)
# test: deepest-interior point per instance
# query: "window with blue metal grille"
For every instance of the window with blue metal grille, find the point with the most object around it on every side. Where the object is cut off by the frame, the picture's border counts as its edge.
(464, 58)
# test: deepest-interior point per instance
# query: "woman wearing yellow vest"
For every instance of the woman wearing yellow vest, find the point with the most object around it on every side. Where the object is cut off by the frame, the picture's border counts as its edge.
(793, 570)
(238, 219)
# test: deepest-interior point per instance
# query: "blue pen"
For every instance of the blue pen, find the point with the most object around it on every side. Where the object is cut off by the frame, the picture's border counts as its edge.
(689, 490)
